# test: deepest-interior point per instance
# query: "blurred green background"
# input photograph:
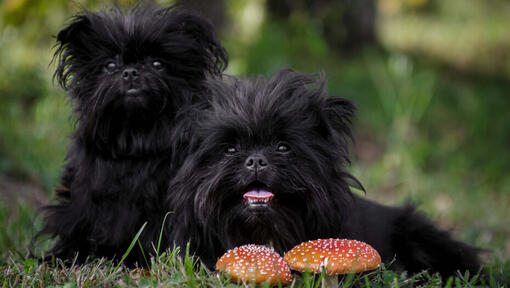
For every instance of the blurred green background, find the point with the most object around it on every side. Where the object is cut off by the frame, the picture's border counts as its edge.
(431, 79)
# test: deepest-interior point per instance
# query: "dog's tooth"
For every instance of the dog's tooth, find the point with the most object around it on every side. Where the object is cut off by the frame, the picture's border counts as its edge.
(258, 201)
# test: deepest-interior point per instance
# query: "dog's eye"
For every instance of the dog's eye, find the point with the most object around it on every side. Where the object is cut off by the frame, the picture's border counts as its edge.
(231, 150)
(110, 66)
(282, 148)
(157, 65)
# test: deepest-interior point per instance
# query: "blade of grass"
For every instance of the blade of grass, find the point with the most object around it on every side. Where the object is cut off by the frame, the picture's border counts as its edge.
(321, 278)
(143, 253)
(133, 242)
(395, 283)
(348, 281)
(492, 281)
(188, 266)
(367, 282)
(306, 279)
(161, 233)
(449, 282)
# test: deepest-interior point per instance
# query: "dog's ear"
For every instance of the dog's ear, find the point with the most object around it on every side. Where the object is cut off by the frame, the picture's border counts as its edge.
(78, 25)
(206, 39)
(339, 112)
(70, 43)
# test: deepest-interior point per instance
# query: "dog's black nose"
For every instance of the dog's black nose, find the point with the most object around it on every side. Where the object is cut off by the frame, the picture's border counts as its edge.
(130, 74)
(256, 162)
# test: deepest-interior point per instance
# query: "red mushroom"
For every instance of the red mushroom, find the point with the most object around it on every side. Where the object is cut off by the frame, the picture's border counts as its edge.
(256, 264)
(337, 256)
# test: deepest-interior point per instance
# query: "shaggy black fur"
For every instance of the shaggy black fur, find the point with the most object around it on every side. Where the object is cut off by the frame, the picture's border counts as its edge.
(299, 137)
(129, 77)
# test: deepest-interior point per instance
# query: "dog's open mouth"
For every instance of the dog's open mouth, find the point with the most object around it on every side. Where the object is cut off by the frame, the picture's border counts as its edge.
(258, 195)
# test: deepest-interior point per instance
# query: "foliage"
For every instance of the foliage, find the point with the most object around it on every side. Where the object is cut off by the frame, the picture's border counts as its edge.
(472, 36)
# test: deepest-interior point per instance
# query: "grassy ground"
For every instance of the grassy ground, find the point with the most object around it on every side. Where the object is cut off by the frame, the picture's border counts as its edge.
(169, 270)
(18, 269)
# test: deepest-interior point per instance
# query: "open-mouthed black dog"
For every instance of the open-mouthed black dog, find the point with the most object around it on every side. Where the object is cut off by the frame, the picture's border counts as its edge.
(270, 168)
(129, 75)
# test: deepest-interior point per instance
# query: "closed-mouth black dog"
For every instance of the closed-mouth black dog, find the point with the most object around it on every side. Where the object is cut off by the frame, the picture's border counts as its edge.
(270, 168)
(129, 76)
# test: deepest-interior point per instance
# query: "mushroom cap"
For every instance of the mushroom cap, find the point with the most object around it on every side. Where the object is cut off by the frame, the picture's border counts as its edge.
(339, 256)
(254, 263)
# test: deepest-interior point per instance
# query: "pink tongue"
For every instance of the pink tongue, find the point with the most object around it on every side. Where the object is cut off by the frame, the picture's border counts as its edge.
(258, 194)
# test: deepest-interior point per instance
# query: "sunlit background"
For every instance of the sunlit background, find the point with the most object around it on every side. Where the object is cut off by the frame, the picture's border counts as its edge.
(431, 79)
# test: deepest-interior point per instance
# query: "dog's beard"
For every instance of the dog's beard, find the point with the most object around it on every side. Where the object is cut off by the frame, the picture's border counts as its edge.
(146, 99)
(301, 208)
(278, 225)
(117, 118)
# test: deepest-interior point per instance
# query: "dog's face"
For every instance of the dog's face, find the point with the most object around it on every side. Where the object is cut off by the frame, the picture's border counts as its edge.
(139, 64)
(270, 167)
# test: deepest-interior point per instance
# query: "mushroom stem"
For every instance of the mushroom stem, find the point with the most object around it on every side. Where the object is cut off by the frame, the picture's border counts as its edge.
(329, 281)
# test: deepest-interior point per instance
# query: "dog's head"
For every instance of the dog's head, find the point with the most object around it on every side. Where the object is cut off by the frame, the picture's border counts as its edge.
(270, 166)
(129, 69)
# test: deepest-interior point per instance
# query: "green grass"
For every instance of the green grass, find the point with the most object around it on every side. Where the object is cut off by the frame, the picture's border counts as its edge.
(168, 269)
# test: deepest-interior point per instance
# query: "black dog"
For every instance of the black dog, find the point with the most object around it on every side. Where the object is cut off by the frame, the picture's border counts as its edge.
(129, 77)
(269, 168)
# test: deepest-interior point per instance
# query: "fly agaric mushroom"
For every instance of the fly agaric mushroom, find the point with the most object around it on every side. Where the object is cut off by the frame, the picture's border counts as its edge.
(336, 256)
(254, 263)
